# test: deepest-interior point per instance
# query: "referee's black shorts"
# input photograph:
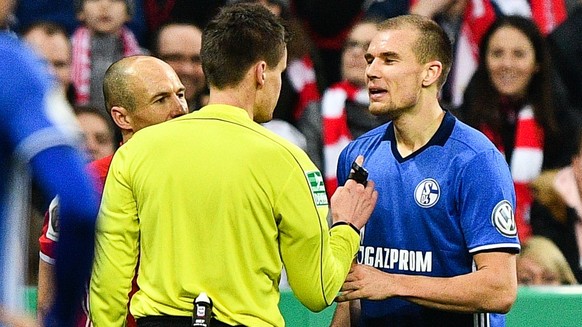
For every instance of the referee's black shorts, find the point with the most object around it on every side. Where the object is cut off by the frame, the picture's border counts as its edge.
(174, 321)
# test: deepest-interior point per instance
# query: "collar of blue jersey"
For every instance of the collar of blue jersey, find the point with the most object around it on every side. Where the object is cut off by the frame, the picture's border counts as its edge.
(439, 138)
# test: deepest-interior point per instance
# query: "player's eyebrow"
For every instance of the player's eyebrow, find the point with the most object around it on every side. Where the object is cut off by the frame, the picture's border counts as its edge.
(383, 55)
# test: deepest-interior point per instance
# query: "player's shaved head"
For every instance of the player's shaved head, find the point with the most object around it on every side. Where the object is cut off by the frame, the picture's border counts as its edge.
(118, 88)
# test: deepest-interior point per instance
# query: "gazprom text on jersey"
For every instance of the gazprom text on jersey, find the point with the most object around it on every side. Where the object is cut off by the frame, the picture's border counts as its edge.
(398, 259)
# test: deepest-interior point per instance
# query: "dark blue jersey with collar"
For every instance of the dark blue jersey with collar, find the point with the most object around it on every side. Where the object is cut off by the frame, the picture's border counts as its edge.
(437, 207)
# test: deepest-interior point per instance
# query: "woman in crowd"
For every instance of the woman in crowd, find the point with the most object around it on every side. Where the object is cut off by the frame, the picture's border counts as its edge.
(510, 99)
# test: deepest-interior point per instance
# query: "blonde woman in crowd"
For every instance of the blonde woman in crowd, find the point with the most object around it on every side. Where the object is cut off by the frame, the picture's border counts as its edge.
(542, 263)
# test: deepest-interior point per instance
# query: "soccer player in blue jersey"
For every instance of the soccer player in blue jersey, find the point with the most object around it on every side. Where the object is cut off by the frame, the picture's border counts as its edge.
(36, 145)
(440, 247)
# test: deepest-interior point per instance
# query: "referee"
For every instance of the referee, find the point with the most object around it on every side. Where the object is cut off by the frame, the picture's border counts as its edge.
(215, 203)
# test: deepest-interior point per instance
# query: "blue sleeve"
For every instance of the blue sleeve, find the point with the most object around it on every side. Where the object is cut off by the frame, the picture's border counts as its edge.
(487, 201)
(60, 170)
(35, 131)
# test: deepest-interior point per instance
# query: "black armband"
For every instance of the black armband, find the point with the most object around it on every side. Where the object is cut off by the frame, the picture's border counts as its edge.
(338, 223)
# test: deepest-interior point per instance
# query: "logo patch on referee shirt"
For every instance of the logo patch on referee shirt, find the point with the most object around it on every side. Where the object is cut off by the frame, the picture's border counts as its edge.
(317, 187)
(503, 219)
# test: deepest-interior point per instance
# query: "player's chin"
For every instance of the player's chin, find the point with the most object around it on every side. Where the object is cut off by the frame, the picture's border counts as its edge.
(378, 109)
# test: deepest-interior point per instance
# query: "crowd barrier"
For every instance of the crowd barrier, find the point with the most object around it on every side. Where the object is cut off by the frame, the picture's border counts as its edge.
(535, 307)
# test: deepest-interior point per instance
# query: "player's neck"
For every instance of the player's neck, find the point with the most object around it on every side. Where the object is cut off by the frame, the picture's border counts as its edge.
(413, 131)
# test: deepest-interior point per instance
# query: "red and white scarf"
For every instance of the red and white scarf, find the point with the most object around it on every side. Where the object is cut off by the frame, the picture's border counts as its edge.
(81, 61)
(526, 163)
(336, 133)
(302, 77)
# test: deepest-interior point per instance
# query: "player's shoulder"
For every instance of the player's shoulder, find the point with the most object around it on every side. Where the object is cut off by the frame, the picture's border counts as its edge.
(470, 139)
(370, 139)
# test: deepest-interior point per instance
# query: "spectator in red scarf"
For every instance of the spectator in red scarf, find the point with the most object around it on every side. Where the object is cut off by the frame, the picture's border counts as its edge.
(510, 99)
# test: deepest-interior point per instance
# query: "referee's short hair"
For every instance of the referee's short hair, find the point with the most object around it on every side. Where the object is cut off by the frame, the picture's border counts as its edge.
(239, 36)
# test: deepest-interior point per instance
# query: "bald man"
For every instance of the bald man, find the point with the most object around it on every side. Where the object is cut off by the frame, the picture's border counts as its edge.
(139, 91)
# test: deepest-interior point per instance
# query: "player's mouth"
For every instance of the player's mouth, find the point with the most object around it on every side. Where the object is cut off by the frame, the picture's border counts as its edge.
(376, 93)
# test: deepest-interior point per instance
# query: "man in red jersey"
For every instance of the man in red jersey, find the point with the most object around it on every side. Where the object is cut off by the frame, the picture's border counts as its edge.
(140, 91)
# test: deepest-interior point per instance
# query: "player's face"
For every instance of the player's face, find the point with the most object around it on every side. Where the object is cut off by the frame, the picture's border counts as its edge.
(511, 61)
(179, 46)
(104, 16)
(160, 94)
(268, 97)
(353, 62)
(529, 272)
(57, 52)
(393, 73)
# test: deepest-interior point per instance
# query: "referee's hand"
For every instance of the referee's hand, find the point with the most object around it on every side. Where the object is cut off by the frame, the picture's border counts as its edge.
(353, 203)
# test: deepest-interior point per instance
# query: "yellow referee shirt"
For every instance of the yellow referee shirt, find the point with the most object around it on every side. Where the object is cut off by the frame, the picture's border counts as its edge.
(213, 202)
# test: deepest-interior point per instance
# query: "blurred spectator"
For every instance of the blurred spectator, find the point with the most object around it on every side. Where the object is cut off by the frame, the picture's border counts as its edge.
(197, 12)
(566, 48)
(51, 42)
(343, 113)
(510, 100)
(101, 40)
(179, 44)
(62, 12)
(328, 23)
(541, 263)
(556, 212)
(97, 131)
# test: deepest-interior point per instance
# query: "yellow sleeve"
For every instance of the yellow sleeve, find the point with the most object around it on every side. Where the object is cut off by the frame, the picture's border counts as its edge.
(316, 260)
(116, 249)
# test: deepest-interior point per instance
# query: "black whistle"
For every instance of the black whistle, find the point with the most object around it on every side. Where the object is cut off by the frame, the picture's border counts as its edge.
(359, 174)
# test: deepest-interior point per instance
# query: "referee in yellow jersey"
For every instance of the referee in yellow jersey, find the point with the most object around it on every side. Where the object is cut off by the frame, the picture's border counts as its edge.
(213, 202)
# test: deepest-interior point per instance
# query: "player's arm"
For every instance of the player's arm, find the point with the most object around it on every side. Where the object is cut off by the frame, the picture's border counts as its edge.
(317, 259)
(116, 248)
(492, 288)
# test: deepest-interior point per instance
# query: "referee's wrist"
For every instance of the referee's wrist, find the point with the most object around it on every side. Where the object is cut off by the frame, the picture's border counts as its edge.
(341, 222)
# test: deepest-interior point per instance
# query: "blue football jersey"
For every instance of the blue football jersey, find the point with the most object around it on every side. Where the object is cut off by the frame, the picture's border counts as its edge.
(436, 208)
(36, 122)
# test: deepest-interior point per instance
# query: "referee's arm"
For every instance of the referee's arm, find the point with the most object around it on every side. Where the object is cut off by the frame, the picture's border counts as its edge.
(116, 250)
(316, 260)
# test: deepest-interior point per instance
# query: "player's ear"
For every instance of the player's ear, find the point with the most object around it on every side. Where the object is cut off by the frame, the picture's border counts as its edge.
(121, 118)
(433, 71)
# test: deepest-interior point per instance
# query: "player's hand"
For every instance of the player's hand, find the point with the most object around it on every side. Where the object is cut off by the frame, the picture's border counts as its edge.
(365, 282)
(353, 202)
